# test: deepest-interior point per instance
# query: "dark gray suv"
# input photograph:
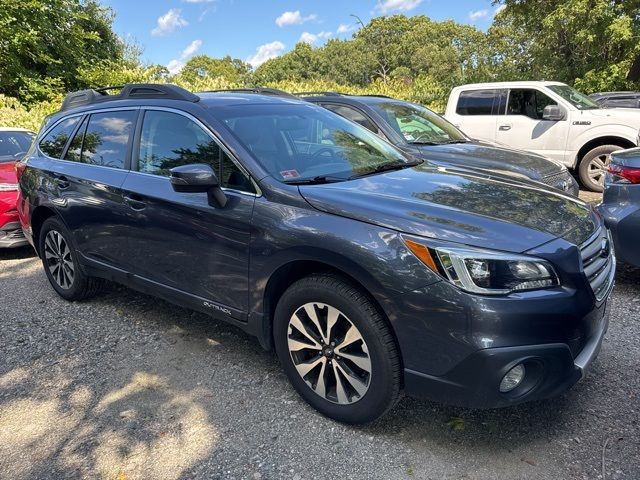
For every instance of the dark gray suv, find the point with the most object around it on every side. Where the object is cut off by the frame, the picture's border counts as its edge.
(369, 271)
(423, 133)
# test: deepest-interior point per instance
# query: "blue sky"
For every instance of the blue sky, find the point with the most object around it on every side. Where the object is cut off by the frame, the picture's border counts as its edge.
(172, 31)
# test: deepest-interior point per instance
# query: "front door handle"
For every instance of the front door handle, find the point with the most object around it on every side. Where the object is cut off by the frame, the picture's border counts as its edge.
(135, 202)
(504, 128)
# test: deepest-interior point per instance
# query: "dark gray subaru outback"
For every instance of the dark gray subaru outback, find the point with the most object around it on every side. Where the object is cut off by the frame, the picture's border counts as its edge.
(370, 272)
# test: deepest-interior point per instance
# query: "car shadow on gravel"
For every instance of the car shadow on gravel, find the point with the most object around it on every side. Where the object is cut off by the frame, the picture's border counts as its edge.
(159, 390)
(16, 253)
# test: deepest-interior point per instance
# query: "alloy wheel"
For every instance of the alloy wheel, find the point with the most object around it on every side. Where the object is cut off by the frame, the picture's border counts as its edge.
(598, 167)
(329, 353)
(57, 255)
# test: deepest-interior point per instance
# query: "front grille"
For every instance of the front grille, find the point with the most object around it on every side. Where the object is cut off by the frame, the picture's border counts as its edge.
(599, 262)
(562, 180)
(11, 231)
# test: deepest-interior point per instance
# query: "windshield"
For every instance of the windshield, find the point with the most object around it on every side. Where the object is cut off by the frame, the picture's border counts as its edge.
(418, 124)
(571, 95)
(14, 143)
(297, 142)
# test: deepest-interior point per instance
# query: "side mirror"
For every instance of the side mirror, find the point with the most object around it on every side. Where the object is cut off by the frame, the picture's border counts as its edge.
(195, 178)
(553, 113)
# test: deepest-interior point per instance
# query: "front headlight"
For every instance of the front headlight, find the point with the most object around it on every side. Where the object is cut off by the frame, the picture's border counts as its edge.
(486, 272)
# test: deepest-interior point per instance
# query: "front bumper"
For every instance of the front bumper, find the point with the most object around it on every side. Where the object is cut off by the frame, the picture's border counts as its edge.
(550, 370)
(11, 236)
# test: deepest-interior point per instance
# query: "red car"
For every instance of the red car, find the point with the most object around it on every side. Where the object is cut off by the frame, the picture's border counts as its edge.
(14, 142)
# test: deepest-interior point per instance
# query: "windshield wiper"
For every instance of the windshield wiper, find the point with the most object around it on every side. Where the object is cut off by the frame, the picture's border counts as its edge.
(315, 180)
(387, 167)
(447, 142)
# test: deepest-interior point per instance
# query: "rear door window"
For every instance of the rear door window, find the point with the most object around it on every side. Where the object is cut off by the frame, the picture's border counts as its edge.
(54, 142)
(106, 140)
(481, 102)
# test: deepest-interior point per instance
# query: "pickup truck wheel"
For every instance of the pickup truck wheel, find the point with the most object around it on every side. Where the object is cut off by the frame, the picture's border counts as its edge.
(60, 262)
(337, 349)
(594, 165)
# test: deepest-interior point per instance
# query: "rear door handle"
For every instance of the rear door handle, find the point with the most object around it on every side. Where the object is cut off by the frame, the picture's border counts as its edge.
(135, 202)
(504, 127)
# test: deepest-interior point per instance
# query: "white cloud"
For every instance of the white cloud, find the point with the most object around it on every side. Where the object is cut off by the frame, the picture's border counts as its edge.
(175, 65)
(169, 22)
(293, 18)
(266, 52)
(312, 38)
(387, 6)
(344, 28)
(499, 9)
(199, 1)
(478, 14)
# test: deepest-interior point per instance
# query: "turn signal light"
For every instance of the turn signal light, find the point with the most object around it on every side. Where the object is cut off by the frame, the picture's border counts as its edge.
(422, 253)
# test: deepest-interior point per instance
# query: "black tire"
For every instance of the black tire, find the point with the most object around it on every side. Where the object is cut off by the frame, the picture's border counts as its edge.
(384, 380)
(590, 169)
(74, 284)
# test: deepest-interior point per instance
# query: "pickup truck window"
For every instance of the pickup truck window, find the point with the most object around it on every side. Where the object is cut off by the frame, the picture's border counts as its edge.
(528, 102)
(481, 102)
(573, 96)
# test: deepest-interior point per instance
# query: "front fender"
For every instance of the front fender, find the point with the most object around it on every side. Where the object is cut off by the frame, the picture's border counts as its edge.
(600, 131)
(374, 256)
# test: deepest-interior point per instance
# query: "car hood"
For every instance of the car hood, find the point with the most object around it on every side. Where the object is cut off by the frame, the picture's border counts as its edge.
(628, 116)
(465, 207)
(490, 157)
(8, 172)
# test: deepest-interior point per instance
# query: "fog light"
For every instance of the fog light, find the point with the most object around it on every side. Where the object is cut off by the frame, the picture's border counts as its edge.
(512, 379)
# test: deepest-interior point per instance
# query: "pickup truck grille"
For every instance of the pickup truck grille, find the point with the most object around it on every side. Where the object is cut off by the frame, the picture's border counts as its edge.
(599, 262)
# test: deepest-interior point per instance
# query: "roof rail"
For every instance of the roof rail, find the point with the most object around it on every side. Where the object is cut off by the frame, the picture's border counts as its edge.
(130, 91)
(328, 94)
(258, 90)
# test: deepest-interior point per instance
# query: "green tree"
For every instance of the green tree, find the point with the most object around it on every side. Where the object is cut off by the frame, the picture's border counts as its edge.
(591, 43)
(43, 44)
(203, 66)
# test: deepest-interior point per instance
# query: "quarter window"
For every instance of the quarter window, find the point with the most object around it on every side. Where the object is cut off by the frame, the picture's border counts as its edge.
(107, 137)
(168, 140)
(54, 142)
(74, 151)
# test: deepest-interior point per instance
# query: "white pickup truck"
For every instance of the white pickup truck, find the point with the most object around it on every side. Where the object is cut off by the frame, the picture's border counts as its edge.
(549, 118)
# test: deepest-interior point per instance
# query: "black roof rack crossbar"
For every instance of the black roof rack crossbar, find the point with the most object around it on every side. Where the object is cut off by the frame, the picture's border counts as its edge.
(130, 91)
(327, 94)
(258, 90)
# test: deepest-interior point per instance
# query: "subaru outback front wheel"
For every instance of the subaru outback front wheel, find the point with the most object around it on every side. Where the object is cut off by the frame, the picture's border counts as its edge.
(337, 349)
(60, 262)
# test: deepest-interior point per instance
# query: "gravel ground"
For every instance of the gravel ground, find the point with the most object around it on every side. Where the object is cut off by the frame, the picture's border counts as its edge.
(127, 386)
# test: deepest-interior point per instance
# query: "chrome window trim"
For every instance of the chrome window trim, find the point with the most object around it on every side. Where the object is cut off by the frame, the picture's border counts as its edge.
(224, 189)
(214, 137)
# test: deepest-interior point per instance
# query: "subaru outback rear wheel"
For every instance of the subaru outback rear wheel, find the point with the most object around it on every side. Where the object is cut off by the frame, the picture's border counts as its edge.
(59, 259)
(336, 349)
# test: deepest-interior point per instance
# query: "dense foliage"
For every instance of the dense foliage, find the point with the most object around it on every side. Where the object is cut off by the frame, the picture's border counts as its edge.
(48, 47)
